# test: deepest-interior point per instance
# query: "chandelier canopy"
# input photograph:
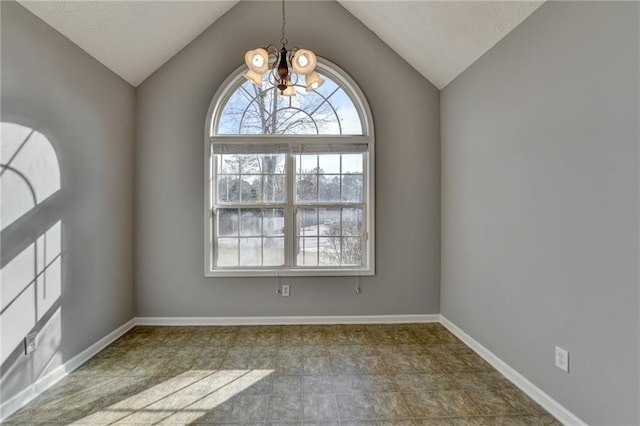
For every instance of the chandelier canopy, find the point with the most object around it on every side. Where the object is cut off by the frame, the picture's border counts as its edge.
(275, 64)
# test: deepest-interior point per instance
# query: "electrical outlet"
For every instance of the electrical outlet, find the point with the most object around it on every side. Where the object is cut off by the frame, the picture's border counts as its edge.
(30, 343)
(562, 359)
(285, 290)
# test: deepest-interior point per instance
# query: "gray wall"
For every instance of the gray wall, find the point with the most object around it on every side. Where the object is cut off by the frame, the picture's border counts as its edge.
(87, 112)
(540, 204)
(171, 110)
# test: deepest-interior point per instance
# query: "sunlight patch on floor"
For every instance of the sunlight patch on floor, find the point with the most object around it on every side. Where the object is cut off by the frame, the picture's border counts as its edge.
(181, 399)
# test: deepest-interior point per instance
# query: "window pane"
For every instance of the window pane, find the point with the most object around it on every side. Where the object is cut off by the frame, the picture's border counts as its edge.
(251, 224)
(233, 110)
(307, 251)
(352, 163)
(273, 222)
(339, 236)
(273, 163)
(227, 252)
(250, 251)
(274, 189)
(330, 221)
(227, 222)
(228, 188)
(273, 251)
(307, 188)
(294, 122)
(307, 164)
(330, 164)
(352, 188)
(330, 250)
(349, 118)
(251, 179)
(251, 189)
(229, 164)
(352, 222)
(307, 222)
(352, 251)
(328, 188)
(250, 164)
(325, 119)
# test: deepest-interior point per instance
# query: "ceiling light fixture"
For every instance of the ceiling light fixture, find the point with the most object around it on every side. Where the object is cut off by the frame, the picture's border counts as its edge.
(263, 61)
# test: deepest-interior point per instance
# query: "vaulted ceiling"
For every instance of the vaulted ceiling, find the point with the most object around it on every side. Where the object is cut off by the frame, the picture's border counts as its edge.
(440, 39)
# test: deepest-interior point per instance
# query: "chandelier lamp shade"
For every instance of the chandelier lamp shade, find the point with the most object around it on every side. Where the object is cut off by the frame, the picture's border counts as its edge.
(275, 65)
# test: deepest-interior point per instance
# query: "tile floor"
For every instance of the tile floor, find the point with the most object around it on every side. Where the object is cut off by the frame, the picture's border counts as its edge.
(406, 374)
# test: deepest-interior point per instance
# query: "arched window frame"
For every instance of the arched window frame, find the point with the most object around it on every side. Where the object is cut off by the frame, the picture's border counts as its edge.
(214, 114)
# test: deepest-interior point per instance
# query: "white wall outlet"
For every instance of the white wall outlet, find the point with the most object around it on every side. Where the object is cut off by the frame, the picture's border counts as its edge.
(30, 343)
(562, 359)
(285, 290)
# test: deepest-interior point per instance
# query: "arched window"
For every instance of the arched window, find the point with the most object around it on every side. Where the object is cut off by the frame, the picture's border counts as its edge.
(289, 179)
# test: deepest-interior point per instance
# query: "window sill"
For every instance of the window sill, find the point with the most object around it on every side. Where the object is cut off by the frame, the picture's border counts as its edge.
(238, 273)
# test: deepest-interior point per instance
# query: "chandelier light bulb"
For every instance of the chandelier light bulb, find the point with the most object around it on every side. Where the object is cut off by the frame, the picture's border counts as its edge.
(313, 81)
(257, 60)
(304, 62)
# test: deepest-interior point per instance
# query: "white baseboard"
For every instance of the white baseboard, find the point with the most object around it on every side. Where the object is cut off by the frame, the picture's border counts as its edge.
(289, 320)
(551, 405)
(12, 405)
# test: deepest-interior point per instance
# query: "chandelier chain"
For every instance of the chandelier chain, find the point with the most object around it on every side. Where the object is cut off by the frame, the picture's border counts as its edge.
(283, 40)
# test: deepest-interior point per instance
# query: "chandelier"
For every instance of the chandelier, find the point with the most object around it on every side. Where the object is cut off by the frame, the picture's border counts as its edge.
(273, 64)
